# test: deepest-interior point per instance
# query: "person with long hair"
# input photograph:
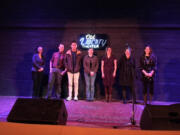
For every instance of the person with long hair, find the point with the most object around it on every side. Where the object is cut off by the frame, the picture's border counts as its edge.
(148, 66)
(108, 70)
(37, 71)
(127, 68)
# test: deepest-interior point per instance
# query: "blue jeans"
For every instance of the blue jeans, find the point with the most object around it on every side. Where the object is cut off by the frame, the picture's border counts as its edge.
(90, 86)
(55, 79)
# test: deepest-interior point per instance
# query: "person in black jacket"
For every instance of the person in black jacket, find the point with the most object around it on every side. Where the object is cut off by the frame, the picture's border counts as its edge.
(90, 64)
(127, 73)
(37, 71)
(73, 64)
(148, 65)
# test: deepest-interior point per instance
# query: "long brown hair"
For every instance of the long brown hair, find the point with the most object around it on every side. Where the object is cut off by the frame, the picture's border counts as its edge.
(151, 51)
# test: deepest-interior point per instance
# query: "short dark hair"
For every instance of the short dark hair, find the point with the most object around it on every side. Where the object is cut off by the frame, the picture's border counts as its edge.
(90, 48)
(73, 41)
(107, 50)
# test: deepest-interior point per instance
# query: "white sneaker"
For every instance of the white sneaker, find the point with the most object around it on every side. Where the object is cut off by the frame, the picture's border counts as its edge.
(68, 98)
(76, 98)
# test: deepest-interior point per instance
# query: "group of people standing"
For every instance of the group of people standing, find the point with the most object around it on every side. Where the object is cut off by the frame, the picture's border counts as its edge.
(70, 62)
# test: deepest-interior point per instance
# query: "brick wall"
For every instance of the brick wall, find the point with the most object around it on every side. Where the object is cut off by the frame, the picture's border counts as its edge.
(22, 31)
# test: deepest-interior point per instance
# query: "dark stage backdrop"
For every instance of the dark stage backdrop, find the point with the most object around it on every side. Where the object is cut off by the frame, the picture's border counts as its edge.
(24, 25)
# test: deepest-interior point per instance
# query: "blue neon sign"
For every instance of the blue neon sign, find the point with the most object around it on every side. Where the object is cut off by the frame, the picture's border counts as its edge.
(95, 41)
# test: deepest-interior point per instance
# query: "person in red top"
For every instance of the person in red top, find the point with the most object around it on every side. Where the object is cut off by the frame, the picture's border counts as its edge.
(108, 69)
(57, 70)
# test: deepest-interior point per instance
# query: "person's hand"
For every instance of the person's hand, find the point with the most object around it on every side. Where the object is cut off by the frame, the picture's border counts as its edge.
(50, 70)
(41, 69)
(68, 52)
(91, 73)
(146, 74)
(78, 52)
(102, 75)
(114, 74)
(63, 72)
(150, 74)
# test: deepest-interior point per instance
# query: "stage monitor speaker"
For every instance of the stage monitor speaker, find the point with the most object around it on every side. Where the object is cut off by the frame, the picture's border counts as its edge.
(161, 117)
(38, 111)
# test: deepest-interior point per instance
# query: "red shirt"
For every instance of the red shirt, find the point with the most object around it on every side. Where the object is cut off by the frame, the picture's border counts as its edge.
(58, 60)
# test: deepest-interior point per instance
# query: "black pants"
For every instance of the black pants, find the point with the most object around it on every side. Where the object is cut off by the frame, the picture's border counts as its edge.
(131, 89)
(148, 84)
(37, 83)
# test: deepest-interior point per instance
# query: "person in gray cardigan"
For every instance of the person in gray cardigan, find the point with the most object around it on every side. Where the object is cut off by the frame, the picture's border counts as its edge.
(90, 64)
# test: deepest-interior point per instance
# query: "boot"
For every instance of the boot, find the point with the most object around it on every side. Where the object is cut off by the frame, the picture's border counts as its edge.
(145, 99)
(106, 97)
(110, 98)
(150, 99)
(124, 96)
(106, 93)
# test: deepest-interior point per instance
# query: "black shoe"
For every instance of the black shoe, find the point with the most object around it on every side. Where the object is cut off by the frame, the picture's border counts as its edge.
(58, 97)
(49, 97)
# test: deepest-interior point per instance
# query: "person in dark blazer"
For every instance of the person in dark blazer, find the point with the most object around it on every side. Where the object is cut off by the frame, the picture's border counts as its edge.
(127, 67)
(90, 64)
(73, 64)
(148, 67)
(37, 71)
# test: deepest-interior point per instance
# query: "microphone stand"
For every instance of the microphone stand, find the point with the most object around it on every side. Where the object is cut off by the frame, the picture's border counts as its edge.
(133, 122)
